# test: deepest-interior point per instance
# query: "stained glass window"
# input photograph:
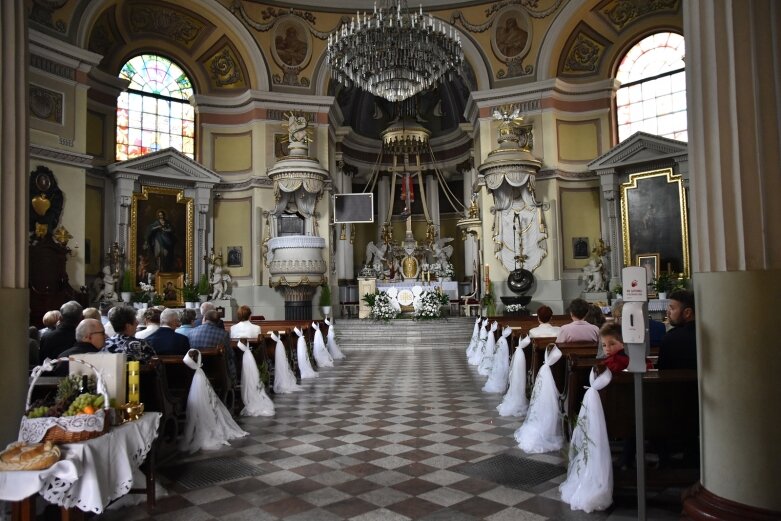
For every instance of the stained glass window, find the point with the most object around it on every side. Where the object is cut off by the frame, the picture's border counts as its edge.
(155, 112)
(652, 97)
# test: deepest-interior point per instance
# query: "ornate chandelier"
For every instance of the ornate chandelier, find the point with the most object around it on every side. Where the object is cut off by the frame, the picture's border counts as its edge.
(393, 53)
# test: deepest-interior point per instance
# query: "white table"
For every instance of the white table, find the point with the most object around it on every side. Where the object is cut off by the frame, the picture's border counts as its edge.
(450, 287)
(90, 474)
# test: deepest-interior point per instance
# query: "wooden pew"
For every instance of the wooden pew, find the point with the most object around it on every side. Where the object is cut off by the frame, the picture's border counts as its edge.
(156, 396)
(215, 367)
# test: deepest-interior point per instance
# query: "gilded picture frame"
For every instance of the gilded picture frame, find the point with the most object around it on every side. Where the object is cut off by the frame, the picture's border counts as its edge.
(161, 233)
(169, 286)
(654, 218)
(649, 261)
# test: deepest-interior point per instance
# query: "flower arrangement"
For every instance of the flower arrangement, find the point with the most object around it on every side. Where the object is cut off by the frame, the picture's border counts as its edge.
(488, 301)
(367, 271)
(429, 305)
(369, 299)
(204, 288)
(383, 309)
(189, 291)
(148, 295)
(325, 295)
(513, 308)
(663, 283)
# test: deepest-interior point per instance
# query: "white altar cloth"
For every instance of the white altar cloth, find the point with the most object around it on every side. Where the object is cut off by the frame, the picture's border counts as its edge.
(91, 473)
(449, 286)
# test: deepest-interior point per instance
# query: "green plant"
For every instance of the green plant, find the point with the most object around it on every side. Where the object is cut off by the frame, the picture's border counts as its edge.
(680, 283)
(488, 301)
(369, 298)
(127, 282)
(618, 289)
(189, 291)
(203, 285)
(325, 295)
(663, 283)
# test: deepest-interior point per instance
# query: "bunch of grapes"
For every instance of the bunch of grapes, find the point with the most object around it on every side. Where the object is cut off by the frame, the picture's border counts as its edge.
(86, 400)
(37, 412)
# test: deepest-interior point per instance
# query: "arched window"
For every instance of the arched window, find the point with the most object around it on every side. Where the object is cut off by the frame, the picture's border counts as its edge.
(652, 97)
(155, 112)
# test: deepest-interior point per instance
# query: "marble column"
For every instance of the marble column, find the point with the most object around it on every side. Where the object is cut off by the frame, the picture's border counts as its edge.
(470, 244)
(344, 248)
(14, 209)
(432, 198)
(383, 200)
(611, 229)
(733, 82)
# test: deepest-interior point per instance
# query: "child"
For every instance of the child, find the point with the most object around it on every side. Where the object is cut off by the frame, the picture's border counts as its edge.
(617, 360)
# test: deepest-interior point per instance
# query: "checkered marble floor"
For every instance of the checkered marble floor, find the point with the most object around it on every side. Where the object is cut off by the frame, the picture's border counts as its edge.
(382, 436)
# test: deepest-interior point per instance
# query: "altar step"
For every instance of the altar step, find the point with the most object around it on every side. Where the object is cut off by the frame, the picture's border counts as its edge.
(404, 334)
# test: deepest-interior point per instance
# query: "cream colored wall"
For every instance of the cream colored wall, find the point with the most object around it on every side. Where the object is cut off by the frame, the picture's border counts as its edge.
(93, 228)
(234, 226)
(580, 217)
(232, 153)
(578, 140)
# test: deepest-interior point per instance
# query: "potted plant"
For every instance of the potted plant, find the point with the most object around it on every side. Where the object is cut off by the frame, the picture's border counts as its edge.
(204, 289)
(662, 284)
(127, 288)
(190, 294)
(325, 300)
(488, 302)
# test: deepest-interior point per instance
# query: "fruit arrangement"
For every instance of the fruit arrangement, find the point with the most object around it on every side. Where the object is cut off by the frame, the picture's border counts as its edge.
(75, 395)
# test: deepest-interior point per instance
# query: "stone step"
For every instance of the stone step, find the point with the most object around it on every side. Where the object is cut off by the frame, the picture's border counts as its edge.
(404, 334)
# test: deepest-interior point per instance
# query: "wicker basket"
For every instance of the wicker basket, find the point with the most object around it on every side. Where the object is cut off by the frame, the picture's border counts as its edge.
(65, 429)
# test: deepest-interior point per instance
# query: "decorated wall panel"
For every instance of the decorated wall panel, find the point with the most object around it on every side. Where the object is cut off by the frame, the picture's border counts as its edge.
(579, 223)
(232, 152)
(578, 140)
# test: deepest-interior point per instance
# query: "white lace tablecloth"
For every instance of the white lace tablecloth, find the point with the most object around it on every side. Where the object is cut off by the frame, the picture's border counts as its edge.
(90, 473)
(448, 286)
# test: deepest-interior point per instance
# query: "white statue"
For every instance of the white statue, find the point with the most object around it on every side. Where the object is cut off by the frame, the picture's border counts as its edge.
(297, 129)
(220, 283)
(442, 252)
(107, 292)
(375, 254)
(593, 273)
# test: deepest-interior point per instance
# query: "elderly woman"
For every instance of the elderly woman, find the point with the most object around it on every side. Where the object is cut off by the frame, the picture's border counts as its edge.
(123, 320)
(244, 328)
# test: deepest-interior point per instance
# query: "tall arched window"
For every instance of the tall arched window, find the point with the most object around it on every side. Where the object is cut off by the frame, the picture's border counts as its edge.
(155, 112)
(652, 97)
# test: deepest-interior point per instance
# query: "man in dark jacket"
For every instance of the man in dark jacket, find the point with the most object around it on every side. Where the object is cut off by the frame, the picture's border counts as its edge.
(64, 336)
(91, 336)
(679, 345)
(165, 340)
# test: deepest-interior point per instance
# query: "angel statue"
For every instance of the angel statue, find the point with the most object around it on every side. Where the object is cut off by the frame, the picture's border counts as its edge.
(593, 274)
(220, 282)
(375, 254)
(442, 250)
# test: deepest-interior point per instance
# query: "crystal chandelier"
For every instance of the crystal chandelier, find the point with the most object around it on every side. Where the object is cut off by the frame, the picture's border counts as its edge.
(393, 53)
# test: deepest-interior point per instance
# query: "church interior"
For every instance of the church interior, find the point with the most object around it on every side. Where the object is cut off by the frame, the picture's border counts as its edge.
(241, 145)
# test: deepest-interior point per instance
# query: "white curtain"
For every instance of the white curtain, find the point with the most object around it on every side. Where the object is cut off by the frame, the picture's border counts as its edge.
(515, 402)
(253, 392)
(542, 430)
(497, 380)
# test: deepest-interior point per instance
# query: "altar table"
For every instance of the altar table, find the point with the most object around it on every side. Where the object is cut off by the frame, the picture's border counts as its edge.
(90, 474)
(450, 287)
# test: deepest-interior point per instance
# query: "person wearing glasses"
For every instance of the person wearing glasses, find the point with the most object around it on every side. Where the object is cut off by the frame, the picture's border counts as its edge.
(90, 338)
(123, 319)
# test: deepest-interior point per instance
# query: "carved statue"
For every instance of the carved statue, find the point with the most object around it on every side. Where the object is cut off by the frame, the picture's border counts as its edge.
(219, 281)
(442, 250)
(593, 273)
(375, 254)
(107, 292)
(297, 131)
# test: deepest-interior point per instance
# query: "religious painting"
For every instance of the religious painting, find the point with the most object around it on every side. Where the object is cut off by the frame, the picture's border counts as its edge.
(281, 146)
(580, 248)
(234, 257)
(292, 44)
(511, 33)
(649, 261)
(654, 219)
(161, 233)
(169, 286)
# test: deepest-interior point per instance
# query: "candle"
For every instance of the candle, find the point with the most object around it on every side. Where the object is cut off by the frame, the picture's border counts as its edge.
(133, 381)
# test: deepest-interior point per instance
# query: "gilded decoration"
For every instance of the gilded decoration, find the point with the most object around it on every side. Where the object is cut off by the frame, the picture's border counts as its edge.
(621, 13)
(162, 20)
(224, 68)
(584, 52)
(45, 104)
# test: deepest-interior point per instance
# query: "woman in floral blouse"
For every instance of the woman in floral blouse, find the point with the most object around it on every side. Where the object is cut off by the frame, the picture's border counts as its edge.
(123, 320)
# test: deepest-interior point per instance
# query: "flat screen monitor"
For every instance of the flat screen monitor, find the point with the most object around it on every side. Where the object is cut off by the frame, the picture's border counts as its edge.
(354, 208)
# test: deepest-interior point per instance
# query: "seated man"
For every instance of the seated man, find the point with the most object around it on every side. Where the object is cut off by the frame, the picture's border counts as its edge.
(679, 345)
(64, 336)
(212, 334)
(187, 321)
(578, 330)
(544, 314)
(165, 340)
(244, 328)
(50, 320)
(123, 319)
(90, 338)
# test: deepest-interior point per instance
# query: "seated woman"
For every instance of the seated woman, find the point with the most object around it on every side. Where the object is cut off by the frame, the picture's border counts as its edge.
(123, 320)
(544, 314)
(244, 328)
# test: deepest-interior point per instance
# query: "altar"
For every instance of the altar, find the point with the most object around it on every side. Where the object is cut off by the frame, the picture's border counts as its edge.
(449, 287)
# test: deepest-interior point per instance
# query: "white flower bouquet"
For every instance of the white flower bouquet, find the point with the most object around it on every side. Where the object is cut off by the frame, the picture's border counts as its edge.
(428, 305)
(383, 308)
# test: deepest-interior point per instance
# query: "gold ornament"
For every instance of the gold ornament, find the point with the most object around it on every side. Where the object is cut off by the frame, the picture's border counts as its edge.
(41, 204)
(62, 236)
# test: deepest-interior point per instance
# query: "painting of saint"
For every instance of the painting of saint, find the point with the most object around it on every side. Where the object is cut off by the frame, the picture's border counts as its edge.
(290, 45)
(510, 36)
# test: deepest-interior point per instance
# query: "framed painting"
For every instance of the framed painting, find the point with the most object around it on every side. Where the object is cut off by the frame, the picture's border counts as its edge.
(649, 261)
(292, 43)
(235, 257)
(161, 233)
(580, 248)
(169, 286)
(510, 37)
(654, 219)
